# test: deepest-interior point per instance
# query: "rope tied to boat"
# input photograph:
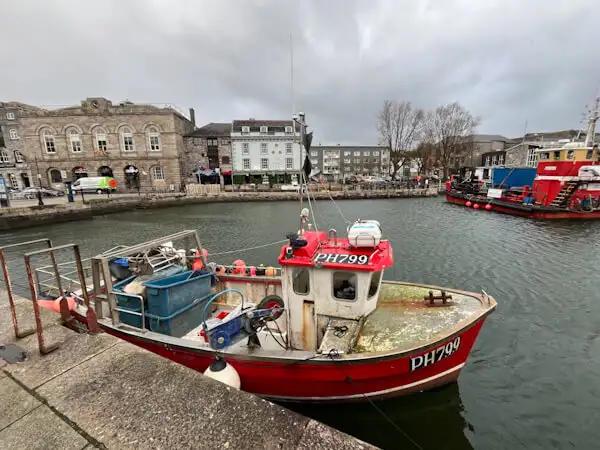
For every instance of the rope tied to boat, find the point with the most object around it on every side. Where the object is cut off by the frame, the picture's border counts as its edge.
(230, 252)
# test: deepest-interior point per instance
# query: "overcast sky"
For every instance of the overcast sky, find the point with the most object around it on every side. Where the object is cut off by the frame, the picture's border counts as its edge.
(507, 61)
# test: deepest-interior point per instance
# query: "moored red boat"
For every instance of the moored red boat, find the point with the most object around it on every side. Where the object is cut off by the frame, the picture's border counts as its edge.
(324, 328)
(566, 185)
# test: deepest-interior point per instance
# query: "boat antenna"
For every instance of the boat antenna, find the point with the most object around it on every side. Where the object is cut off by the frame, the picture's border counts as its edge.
(592, 119)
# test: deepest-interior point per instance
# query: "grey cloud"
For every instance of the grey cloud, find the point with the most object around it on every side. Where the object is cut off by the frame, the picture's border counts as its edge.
(506, 60)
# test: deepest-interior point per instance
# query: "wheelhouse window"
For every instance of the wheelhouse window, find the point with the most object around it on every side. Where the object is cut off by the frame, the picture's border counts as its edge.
(557, 155)
(301, 281)
(571, 154)
(589, 154)
(544, 155)
(344, 286)
(374, 285)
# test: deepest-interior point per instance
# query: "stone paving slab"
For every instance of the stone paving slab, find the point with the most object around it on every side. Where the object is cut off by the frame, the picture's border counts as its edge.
(25, 317)
(74, 349)
(319, 436)
(16, 402)
(128, 398)
(41, 429)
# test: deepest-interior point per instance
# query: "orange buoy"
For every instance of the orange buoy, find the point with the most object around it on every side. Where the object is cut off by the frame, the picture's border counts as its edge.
(54, 305)
(270, 271)
(220, 269)
(239, 267)
(476, 206)
(252, 271)
(488, 207)
(468, 204)
(198, 264)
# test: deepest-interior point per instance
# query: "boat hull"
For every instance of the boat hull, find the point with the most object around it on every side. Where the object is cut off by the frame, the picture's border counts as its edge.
(327, 380)
(517, 209)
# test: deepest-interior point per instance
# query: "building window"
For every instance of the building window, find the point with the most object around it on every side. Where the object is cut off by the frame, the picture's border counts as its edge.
(289, 163)
(288, 148)
(288, 130)
(344, 285)
(154, 139)
(197, 141)
(264, 149)
(49, 142)
(375, 153)
(314, 162)
(487, 160)
(212, 142)
(13, 133)
(301, 281)
(246, 163)
(245, 148)
(3, 156)
(264, 129)
(13, 181)
(225, 160)
(501, 160)
(346, 169)
(10, 116)
(347, 160)
(357, 161)
(495, 160)
(127, 137)
(356, 153)
(264, 163)
(245, 130)
(55, 176)
(157, 173)
(19, 157)
(74, 141)
(101, 144)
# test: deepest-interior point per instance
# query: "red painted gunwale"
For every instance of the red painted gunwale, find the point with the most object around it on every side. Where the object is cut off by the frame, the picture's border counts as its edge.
(533, 213)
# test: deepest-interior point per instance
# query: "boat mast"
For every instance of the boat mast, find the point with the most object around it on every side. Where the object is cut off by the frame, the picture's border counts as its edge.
(591, 129)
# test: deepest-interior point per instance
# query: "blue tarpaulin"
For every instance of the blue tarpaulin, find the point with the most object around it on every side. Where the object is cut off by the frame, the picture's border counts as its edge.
(513, 177)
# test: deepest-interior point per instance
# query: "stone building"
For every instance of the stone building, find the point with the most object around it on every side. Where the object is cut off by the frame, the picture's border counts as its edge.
(142, 146)
(14, 168)
(339, 161)
(208, 151)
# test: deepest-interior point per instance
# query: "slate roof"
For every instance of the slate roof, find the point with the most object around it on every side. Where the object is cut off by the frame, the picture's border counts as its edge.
(213, 129)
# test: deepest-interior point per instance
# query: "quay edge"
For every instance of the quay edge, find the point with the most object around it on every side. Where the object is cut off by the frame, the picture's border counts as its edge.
(99, 390)
(17, 218)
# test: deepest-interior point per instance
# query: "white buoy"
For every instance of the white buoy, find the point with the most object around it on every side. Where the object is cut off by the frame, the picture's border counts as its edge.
(222, 371)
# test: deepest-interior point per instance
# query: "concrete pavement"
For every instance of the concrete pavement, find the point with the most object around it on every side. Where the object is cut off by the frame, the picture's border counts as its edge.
(96, 391)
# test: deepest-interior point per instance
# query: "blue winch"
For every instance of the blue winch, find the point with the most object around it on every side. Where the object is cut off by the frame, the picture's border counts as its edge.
(238, 324)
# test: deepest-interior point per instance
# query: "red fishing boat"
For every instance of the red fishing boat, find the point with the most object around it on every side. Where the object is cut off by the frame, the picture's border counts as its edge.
(324, 327)
(566, 185)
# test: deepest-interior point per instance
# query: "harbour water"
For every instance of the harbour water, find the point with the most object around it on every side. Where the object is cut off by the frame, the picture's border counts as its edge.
(533, 380)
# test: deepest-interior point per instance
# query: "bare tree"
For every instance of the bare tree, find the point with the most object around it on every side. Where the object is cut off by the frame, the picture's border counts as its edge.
(425, 155)
(450, 128)
(400, 126)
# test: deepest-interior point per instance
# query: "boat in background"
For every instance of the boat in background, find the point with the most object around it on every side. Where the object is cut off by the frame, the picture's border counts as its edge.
(566, 184)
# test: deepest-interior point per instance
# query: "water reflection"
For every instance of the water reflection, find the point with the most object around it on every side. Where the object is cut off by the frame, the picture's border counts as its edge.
(433, 420)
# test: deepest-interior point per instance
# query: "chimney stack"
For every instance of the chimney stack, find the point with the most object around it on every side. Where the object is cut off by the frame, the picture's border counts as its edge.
(193, 116)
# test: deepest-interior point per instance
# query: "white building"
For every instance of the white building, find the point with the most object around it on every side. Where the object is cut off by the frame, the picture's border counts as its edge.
(266, 150)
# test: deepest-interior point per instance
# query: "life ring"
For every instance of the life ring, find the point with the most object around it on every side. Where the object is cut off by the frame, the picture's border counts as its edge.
(272, 302)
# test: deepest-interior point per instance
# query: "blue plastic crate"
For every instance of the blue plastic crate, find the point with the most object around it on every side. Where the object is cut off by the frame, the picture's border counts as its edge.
(130, 304)
(180, 322)
(168, 295)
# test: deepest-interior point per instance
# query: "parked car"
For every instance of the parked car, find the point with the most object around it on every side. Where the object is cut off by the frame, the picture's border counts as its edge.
(32, 192)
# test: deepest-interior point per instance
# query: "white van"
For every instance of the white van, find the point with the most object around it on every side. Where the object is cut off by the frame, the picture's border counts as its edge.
(100, 185)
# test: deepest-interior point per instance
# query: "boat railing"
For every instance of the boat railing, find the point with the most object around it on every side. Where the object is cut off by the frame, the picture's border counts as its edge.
(68, 274)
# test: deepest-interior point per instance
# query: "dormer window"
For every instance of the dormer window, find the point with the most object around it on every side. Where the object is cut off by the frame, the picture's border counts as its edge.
(264, 129)
(288, 130)
(245, 130)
